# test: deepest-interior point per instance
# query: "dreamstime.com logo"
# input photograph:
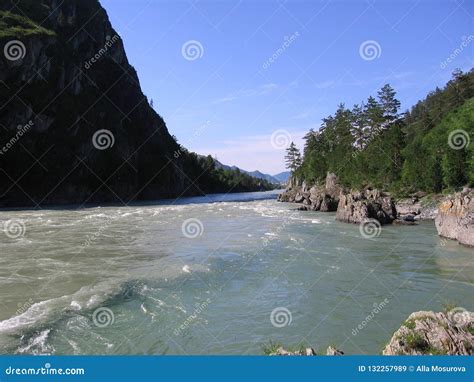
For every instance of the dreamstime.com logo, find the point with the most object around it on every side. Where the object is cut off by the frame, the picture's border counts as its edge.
(280, 139)
(103, 139)
(14, 228)
(192, 228)
(14, 50)
(110, 41)
(376, 310)
(192, 50)
(21, 130)
(200, 307)
(459, 316)
(458, 139)
(287, 41)
(281, 317)
(370, 50)
(370, 228)
(45, 370)
(103, 317)
(466, 40)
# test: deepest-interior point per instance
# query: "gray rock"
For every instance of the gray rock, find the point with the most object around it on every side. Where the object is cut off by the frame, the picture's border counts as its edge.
(334, 351)
(455, 219)
(434, 333)
(359, 206)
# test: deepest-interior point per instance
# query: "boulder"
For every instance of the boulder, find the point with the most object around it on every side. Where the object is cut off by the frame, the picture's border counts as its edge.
(434, 334)
(282, 351)
(455, 219)
(334, 351)
(360, 206)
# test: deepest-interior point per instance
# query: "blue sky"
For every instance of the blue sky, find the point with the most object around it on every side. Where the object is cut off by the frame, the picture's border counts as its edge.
(233, 101)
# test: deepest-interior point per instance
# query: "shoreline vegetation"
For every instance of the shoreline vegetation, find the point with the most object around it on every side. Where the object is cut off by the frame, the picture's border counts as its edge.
(374, 165)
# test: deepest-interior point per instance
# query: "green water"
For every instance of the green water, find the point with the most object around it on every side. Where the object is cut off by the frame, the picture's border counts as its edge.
(131, 280)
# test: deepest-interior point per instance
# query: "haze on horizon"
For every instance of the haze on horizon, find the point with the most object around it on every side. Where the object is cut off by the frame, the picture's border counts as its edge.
(225, 90)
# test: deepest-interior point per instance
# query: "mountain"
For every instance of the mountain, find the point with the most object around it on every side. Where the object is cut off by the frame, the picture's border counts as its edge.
(282, 177)
(75, 126)
(260, 175)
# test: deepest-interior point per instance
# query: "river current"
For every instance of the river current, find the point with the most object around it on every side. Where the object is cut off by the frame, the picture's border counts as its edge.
(221, 274)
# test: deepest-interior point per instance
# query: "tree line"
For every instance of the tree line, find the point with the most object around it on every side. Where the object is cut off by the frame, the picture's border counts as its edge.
(372, 144)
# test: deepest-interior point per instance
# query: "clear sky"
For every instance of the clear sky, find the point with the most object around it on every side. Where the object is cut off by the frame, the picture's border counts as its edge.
(224, 96)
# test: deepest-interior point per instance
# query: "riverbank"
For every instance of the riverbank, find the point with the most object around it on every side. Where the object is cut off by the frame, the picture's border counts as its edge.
(454, 214)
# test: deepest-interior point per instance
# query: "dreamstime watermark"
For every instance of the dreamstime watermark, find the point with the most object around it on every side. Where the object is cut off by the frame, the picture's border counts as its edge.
(14, 50)
(103, 317)
(287, 41)
(14, 228)
(370, 228)
(45, 370)
(466, 40)
(370, 50)
(459, 316)
(192, 228)
(110, 41)
(376, 310)
(199, 308)
(281, 317)
(90, 239)
(196, 134)
(192, 50)
(21, 130)
(280, 139)
(458, 139)
(103, 139)
(23, 307)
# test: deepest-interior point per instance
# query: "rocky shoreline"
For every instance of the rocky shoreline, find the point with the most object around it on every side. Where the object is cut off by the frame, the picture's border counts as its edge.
(423, 333)
(453, 214)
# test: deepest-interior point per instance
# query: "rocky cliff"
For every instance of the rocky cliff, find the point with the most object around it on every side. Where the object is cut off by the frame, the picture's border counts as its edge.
(358, 206)
(455, 219)
(319, 197)
(75, 126)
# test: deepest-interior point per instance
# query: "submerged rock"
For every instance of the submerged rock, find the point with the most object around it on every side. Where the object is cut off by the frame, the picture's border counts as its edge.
(455, 219)
(306, 351)
(360, 206)
(432, 333)
(334, 351)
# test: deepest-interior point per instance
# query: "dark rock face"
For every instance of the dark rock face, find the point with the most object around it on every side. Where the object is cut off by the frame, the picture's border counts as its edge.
(359, 206)
(322, 198)
(455, 219)
(76, 90)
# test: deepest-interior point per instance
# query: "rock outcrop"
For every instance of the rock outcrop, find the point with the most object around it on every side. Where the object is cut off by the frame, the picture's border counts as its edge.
(305, 351)
(455, 219)
(360, 206)
(434, 333)
(324, 198)
(418, 207)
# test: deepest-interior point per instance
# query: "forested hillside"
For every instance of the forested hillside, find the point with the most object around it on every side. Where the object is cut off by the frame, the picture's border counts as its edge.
(426, 148)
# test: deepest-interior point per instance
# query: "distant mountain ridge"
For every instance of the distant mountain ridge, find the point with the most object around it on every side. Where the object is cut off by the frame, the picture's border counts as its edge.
(279, 178)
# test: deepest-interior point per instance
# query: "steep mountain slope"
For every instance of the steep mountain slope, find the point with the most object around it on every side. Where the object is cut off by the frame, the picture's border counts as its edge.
(75, 126)
(92, 135)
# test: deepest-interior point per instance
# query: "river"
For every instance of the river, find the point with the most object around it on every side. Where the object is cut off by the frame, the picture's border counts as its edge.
(223, 274)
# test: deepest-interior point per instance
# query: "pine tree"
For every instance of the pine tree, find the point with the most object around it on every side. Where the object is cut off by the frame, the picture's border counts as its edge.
(293, 157)
(389, 104)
